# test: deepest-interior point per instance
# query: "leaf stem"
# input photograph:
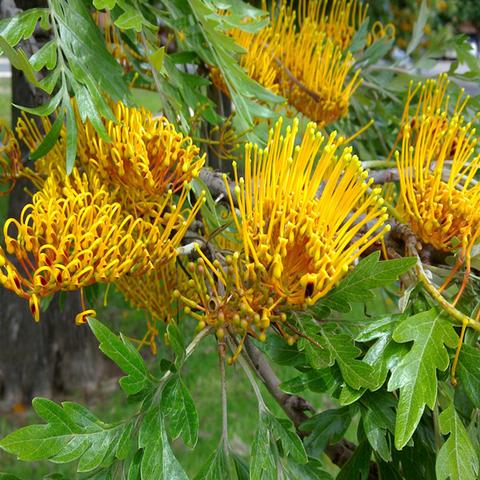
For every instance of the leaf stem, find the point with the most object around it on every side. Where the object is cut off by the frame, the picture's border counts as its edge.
(458, 316)
(223, 384)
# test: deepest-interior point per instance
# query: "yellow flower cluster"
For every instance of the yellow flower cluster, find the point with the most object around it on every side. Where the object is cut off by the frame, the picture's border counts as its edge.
(316, 82)
(437, 164)
(120, 215)
(302, 214)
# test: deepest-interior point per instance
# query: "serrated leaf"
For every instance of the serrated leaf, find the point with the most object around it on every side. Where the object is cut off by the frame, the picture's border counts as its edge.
(158, 461)
(318, 355)
(326, 428)
(291, 444)
(457, 458)
(180, 412)
(313, 470)
(321, 381)
(384, 353)
(355, 372)
(469, 372)
(124, 354)
(370, 273)
(19, 60)
(416, 374)
(64, 438)
(378, 418)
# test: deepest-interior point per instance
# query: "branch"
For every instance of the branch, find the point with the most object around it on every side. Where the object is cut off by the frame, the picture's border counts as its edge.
(216, 185)
(293, 405)
(8, 9)
(384, 176)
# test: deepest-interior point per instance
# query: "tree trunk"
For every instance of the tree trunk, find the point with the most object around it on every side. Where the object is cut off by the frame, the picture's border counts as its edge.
(54, 355)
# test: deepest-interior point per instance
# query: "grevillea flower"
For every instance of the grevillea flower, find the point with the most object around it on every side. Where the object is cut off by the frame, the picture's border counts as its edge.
(318, 82)
(146, 156)
(70, 237)
(118, 213)
(306, 214)
(437, 165)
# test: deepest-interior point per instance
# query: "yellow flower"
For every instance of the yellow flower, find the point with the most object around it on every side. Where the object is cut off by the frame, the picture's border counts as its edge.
(146, 156)
(438, 163)
(122, 211)
(306, 214)
(316, 82)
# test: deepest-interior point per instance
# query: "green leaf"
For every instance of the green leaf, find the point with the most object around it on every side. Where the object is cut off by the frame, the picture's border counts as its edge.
(457, 458)
(358, 465)
(45, 57)
(104, 4)
(469, 372)
(179, 410)
(313, 470)
(156, 58)
(19, 60)
(418, 29)
(282, 430)
(320, 381)
(219, 466)
(318, 355)
(416, 374)
(67, 436)
(370, 273)
(378, 419)
(48, 108)
(384, 353)
(131, 18)
(326, 428)
(355, 372)
(177, 342)
(124, 354)
(21, 26)
(8, 476)
(158, 461)
(72, 133)
(50, 138)
(263, 459)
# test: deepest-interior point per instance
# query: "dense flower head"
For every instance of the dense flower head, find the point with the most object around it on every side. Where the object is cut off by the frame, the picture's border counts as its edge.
(100, 224)
(437, 163)
(145, 157)
(318, 82)
(70, 237)
(306, 212)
